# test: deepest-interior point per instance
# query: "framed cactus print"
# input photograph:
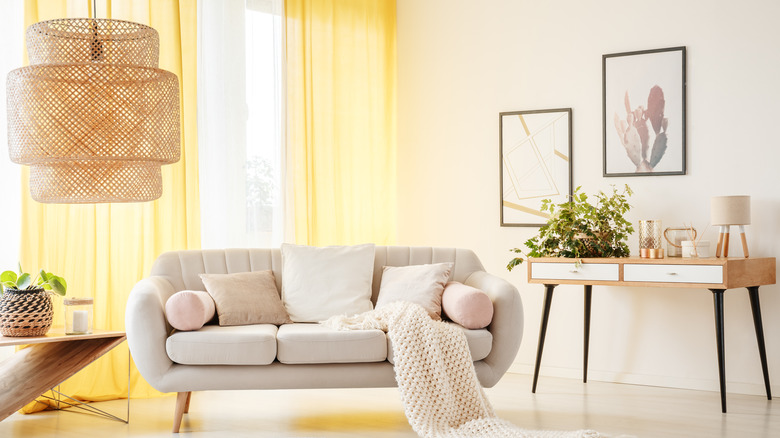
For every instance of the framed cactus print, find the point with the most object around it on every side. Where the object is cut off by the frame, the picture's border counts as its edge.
(644, 112)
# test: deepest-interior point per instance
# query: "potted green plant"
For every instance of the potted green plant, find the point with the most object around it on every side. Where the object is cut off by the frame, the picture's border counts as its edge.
(579, 229)
(25, 305)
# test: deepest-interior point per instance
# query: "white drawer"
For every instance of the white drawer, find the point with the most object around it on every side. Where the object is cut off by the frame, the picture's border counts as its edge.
(673, 273)
(570, 271)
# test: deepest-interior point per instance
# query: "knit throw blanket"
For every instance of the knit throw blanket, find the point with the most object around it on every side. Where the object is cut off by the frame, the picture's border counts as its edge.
(439, 388)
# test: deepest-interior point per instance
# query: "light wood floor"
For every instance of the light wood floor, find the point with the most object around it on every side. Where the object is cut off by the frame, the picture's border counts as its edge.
(560, 404)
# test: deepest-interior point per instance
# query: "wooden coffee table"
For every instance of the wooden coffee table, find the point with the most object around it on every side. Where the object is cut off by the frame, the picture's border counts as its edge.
(49, 361)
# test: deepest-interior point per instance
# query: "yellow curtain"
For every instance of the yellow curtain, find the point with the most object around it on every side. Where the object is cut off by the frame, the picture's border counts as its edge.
(341, 120)
(103, 250)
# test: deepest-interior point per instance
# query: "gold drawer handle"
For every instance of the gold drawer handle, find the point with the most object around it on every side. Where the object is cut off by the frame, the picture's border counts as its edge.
(671, 273)
(574, 271)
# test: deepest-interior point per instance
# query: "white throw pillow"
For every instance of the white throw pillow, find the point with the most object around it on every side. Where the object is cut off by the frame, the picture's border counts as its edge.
(420, 284)
(320, 282)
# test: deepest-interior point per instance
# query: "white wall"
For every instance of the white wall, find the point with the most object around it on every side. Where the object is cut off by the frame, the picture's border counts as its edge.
(462, 62)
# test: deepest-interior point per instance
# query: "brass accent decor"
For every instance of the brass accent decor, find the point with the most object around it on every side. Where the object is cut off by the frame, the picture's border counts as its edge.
(650, 239)
(92, 115)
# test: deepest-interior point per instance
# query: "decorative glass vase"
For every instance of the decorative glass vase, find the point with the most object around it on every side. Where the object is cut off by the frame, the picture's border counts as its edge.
(651, 239)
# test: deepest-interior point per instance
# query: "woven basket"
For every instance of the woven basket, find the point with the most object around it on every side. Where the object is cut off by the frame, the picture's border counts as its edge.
(25, 312)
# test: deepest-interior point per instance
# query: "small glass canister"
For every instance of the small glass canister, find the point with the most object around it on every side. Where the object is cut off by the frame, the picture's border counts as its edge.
(650, 239)
(78, 316)
(674, 237)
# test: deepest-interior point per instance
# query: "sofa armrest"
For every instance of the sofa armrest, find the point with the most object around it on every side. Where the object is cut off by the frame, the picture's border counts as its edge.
(507, 324)
(147, 329)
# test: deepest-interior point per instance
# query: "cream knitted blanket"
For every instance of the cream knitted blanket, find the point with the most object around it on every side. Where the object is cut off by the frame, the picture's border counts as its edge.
(439, 388)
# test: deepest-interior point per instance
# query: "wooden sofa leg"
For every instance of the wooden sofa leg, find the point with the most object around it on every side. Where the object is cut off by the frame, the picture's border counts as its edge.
(182, 406)
(187, 405)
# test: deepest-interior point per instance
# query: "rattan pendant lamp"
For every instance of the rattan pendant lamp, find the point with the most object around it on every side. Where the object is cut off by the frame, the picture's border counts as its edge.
(92, 115)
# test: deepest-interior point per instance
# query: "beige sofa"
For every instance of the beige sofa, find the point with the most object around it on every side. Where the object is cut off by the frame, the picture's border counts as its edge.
(298, 355)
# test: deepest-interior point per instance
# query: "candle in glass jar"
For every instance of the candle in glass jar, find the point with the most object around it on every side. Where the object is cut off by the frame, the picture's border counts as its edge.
(80, 321)
(78, 316)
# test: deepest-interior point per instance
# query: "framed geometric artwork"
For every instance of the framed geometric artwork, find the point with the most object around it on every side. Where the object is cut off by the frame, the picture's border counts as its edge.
(644, 112)
(535, 153)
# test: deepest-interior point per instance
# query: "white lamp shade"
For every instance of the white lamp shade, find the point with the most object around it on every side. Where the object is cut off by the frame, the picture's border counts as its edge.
(730, 210)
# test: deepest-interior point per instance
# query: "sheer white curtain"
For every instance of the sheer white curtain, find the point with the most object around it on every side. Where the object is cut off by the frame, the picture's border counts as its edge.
(240, 135)
(12, 35)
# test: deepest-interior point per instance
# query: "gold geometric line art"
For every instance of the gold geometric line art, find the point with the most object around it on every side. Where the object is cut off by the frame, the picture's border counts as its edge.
(510, 170)
(525, 127)
(515, 180)
(539, 158)
(530, 154)
(524, 209)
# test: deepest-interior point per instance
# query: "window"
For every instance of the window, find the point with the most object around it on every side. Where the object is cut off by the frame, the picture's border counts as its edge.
(240, 123)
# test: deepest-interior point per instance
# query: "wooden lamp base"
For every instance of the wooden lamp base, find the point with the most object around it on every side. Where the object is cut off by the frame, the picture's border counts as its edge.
(723, 241)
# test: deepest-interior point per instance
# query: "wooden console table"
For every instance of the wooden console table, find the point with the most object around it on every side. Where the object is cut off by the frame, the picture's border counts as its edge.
(48, 361)
(715, 274)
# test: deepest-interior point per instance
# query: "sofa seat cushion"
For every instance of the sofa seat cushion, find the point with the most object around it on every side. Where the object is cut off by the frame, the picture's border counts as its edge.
(307, 343)
(234, 345)
(480, 343)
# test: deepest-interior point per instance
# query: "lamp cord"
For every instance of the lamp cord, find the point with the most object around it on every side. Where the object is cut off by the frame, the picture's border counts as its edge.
(96, 53)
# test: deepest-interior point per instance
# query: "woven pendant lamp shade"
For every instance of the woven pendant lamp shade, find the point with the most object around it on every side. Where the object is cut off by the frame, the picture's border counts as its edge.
(92, 115)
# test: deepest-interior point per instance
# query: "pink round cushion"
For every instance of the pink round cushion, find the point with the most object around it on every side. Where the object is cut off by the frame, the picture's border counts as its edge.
(189, 309)
(467, 306)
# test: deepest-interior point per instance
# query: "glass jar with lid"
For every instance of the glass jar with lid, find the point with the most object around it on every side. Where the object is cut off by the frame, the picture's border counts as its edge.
(78, 316)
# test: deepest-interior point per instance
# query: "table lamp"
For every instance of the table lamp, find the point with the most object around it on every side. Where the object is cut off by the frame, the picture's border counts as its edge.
(726, 211)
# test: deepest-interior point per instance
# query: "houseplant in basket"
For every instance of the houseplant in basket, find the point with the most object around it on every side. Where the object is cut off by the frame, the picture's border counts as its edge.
(579, 229)
(25, 305)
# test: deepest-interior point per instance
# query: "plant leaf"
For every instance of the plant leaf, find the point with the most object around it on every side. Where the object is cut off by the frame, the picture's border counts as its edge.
(514, 262)
(8, 277)
(63, 282)
(23, 281)
(44, 276)
(57, 285)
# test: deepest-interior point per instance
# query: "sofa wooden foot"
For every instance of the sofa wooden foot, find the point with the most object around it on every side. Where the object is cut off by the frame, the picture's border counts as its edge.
(187, 405)
(182, 406)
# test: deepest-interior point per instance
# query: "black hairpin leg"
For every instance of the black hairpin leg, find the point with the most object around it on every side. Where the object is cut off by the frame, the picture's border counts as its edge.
(756, 307)
(717, 296)
(586, 338)
(548, 294)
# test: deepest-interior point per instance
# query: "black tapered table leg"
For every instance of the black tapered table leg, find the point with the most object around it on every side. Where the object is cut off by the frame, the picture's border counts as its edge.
(548, 294)
(717, 296)
(756, 307)
(586, 336)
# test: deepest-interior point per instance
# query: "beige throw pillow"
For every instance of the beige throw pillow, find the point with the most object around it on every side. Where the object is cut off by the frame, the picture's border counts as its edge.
(420, 284)
(246, 298)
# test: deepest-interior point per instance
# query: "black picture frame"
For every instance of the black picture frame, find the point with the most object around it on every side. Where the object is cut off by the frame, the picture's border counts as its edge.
(535, 163)
(644, 105)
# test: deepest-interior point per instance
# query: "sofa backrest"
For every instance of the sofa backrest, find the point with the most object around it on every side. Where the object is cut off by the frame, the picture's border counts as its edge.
(182, 268)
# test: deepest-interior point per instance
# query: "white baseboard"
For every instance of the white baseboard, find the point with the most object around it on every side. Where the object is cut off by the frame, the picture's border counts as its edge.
(645, 379)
